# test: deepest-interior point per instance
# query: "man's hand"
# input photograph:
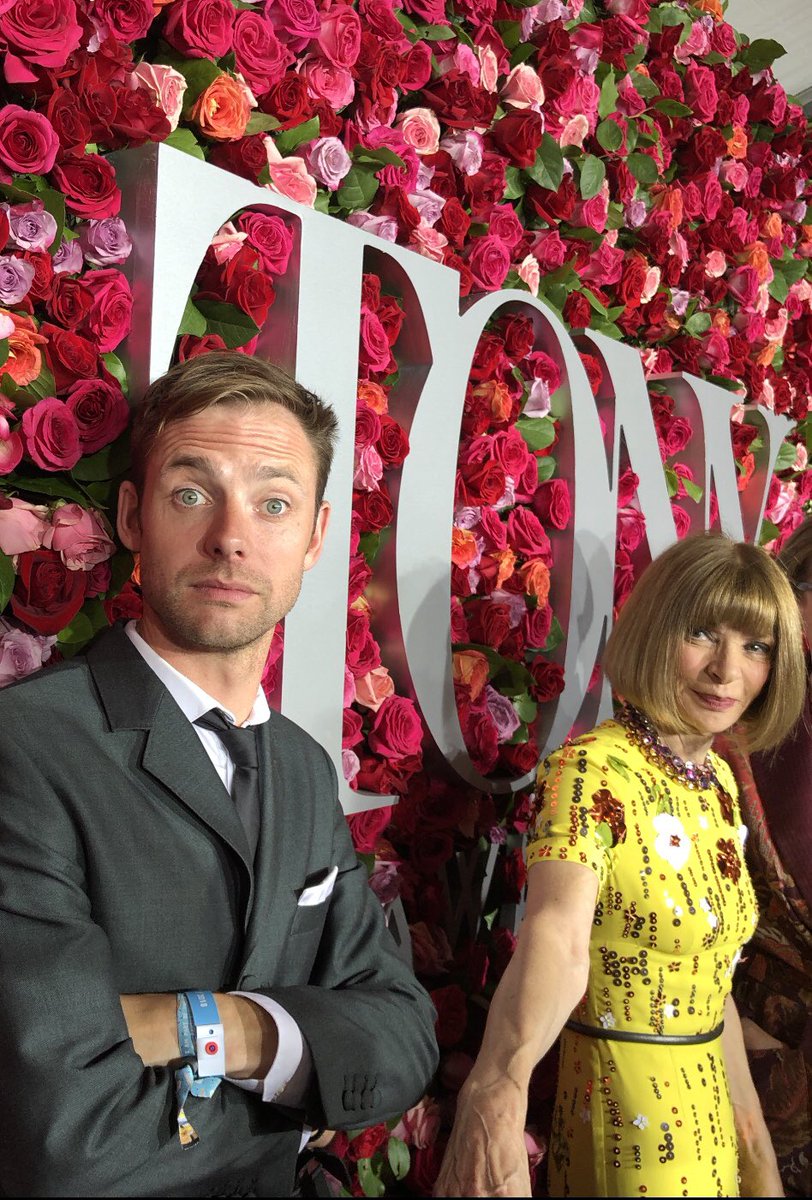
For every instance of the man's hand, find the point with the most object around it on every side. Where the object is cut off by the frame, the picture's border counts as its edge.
(250, 1033)
(486, 1155)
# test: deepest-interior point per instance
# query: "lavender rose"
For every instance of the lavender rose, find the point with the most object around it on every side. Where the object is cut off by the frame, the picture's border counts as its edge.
(21, 653)
(502, 712)
(328, 161)
(68, 258)
(16, 277)
(105, 242)
(31, 226)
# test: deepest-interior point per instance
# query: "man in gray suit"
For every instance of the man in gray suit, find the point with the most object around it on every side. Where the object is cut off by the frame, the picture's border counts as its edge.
(151, 864)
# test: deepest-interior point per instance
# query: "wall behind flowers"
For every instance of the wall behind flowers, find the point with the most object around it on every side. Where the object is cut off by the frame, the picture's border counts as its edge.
(633, 163)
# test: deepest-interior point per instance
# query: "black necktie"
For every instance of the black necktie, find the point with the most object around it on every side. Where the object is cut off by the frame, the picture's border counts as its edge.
(241, 745)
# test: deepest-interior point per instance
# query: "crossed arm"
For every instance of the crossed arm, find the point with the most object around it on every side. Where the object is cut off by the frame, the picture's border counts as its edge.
(757, 1164)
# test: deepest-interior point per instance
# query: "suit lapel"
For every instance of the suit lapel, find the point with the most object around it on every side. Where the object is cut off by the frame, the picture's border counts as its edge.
(134, 698)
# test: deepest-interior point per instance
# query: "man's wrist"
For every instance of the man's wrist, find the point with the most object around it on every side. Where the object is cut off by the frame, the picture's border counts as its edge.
(251, 1037)
(152, 1023)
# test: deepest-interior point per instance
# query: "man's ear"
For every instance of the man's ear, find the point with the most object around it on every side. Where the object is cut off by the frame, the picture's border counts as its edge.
(128, 522)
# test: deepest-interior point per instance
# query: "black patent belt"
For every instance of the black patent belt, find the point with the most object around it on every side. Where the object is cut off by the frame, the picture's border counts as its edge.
(655, 1039)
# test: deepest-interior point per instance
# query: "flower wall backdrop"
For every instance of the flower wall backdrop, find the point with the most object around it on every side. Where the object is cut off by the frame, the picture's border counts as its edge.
(633, 162)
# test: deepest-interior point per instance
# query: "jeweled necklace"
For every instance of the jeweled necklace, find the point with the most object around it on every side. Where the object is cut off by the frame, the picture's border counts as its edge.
(641, 733)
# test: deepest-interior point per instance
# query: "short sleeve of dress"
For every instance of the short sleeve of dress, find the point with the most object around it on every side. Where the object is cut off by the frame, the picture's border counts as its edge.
(579, 819)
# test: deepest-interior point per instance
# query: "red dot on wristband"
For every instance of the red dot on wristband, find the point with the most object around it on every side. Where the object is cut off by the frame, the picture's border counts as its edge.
(212, 1047)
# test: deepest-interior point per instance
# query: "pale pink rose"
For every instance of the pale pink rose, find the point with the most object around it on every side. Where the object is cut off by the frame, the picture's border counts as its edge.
(697, 44)
(289, 176)
(164, 84)
(715, 264)
(22, 527)
(420, 1125)
(677, 246)
(523, 88)
(574, 131)
(650, 285)
(529, 273)
(465, 61)
(21, 653)
(227, 241)
(326, 81)
(7, 326)
(11, 451)
(79, 536)
(368, 469)
(775, 329)
(373, 688)
(488, 68)
(735, 173)
(783, 502)
(465, 150)
(428, 241)
(382, 227)
(329, 161)
(801, 458)
(420, 129)
(350, 764)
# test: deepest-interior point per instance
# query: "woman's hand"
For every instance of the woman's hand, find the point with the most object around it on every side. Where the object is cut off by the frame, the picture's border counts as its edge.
(486, 1155)
(757, 1164)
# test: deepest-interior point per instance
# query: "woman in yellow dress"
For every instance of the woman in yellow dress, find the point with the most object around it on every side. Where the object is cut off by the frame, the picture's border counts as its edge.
(639, 904)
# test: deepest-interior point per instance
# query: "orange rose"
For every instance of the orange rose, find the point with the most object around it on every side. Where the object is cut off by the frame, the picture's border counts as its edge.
(464, 549)
(535, 575)
(749, 466)
(24, 361)
(507, 561)
(670, 200)
(766, 355)
(772, 225)
(372, 689)
(222, 111)
(373, 395)
(757, 256)
(471, 670)
(496, 396)
(721, 321)
(714, 7)
(737, 144)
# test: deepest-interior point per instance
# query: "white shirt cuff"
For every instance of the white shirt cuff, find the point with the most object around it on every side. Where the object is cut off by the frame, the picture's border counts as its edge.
(291, 1072)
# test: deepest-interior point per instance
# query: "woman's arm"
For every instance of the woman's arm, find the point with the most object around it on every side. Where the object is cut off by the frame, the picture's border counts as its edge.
(546, 978)
(757, 1165)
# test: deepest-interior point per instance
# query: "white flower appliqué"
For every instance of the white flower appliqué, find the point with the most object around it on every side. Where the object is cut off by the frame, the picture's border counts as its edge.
(672, 842)
(640, 1121)
(607, 1020)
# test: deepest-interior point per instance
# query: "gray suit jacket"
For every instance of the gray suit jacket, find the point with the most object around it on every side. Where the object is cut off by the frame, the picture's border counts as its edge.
(124, 868)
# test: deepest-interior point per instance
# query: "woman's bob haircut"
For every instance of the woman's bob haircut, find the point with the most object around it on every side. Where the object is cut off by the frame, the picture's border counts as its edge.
(707, 581)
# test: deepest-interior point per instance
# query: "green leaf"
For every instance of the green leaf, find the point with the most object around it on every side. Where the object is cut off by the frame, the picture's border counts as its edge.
(369, 1179)
(260, 122)
(6, 579)
(4, 346)
(644, 169)
(546, 467)
(671, 480)
(381, 157)
(554, 638)
(521, 734)
(116, 368)
(56, 486)
(767, 532)
(607, 102)
(617, 764)
(595, 303)
(233, 325)
(436, 33)
(289, 139)
(526, 708)
(730, 385)
(593, 173)
(399, 1159)
(369, 545)
(778, 287)
(108, 463)
(523, 51)
(609, 135)
(79, 630)
(199, 73)
(538, 432)
(513, 184)
(192, 322)
(672, 108)
(693, 489)
(761, 53)
(548, 169)
(44, 384)
(786, 457)
(603, 833)
(794, 269)
(357, 189)
(185, 140)
(645, 85)
(698, 324)
(121, 567)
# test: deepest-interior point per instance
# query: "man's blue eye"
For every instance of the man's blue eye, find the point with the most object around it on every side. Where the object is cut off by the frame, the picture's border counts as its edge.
(275, 507)
(189, 497)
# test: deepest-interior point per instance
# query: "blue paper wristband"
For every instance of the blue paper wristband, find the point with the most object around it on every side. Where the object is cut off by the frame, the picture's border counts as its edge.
(209, 1034)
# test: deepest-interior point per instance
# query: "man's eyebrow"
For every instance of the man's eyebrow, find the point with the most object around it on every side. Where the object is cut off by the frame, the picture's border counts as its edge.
(205, 466)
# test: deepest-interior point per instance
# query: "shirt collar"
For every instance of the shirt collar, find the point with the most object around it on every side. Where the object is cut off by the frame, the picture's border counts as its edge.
(191, 699)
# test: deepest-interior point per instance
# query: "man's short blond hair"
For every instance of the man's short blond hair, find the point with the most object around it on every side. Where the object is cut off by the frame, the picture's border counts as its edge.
(706, 581)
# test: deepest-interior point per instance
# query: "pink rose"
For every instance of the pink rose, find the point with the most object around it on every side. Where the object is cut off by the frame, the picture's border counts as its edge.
(289, 176)
(51, 435)
(11, 451)
(111, 313)
(326, 81)
(261, 58)
(22, 526)
(429, 242)
(39, 33)
(166, 86)
(744, 284)
(390, 176)
(373, 688)
(552, 504)
(523, 88)
(340, 36)
(700, 91)
(100, 410)
(488, 262)
(329, 161)
(420, 1125)
(420, 129)
(22, 653)
(397, 731)
(631, 528)
(465, 149)
(79, 537)
(295, 21)
(376, 352)
(270, 236)
(530, 274)
(200, 28)
(28, 141)
(126, 20)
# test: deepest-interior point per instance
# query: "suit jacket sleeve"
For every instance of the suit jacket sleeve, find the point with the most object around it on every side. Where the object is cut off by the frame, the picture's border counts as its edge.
(368, 1022)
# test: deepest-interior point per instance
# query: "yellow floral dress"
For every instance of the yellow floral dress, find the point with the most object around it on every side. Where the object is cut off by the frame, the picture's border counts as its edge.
(674, 907)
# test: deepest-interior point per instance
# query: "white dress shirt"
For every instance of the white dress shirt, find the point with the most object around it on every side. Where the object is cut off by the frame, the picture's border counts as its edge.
(292, 1069)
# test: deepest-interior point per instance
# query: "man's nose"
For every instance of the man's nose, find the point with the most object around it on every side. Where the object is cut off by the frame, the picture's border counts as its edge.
(227, 533)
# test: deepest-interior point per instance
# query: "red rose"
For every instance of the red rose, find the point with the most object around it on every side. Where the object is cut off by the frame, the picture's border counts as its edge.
(452, 1014)
(397, 731)
(191, 346)
(631, 528)
(261, 58)
(624, 577)
(700, 92)
(553, 207)
(246, 157)
(289, 101)
(270, 237)
(70, 356)
(367, 426)
(551, 503)
(28, 141)
(70, 301)
(577, 310)
(248, 289)
(366, 828)
(514, 873)
(363, 654)
(630, 288)
(99, 578)
(374, 509)
(548, 680)
(537, 625)
(594, 371)
(126, 20)
(100, 410)
(526, 535)
(454, 222)
(482, 740)
(424, 1169)
(88, 182)
(376, 353)
(390, 315)
(488, 262)
(481, 482)
(521, 759)
(139, 118)
(393, 444)
(518, 135)
(46, 596)
(111, 314)
(367, 1142)
(200, 28)
(416, 70)
(126, 606)
(43, 281)
(51, 435)
(39, 33)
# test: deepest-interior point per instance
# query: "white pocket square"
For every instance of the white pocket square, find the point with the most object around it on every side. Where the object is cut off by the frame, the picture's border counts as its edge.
(317, 893)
